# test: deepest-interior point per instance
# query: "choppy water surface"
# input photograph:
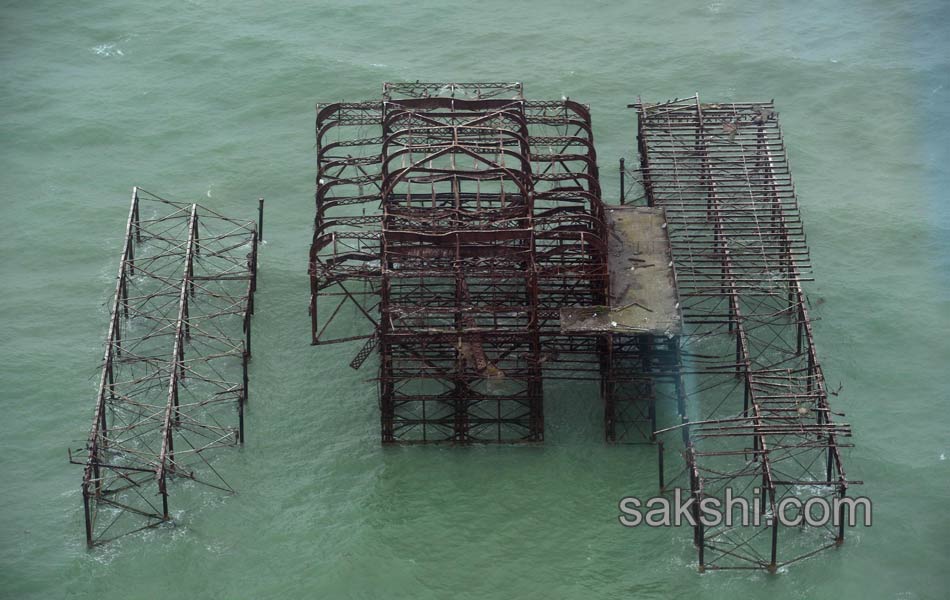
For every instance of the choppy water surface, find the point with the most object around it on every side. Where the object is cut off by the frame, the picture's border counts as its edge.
(214, 101)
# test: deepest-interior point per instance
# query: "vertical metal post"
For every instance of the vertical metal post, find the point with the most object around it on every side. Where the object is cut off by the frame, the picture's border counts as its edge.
(252, 267)
(800, 331)
(745, 398)
(246, 395)
(242, 399)
(260, 217)
(85, 507)
(840, 539)
(136, 221)
(702, 544)
(103, 425)
(164, 492)
(739, 354)
(623, 187)
(830, 462)
(124, 291)
(117, 339)
(247, 339)
(773, 565)
(187, 320)
(130, 257)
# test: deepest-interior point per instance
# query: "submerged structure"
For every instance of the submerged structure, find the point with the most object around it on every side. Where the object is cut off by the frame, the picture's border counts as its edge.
(443, 265)
(465, 224)
(174, 379)
(749, 389)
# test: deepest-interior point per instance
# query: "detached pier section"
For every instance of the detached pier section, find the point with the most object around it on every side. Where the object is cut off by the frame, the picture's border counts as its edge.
(174, 377)
(746, 378)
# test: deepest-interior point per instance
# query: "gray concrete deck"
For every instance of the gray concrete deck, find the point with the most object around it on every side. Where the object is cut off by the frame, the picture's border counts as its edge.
(643, 296)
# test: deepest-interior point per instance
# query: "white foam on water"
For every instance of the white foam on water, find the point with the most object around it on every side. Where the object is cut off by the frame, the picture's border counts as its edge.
(107, 50)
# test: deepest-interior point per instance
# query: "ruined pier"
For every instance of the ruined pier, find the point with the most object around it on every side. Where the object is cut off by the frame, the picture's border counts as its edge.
(173, 383)
(465, 225)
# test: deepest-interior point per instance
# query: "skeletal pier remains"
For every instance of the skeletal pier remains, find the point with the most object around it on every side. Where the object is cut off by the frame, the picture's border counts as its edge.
(464, 226)
(749, 389)
(459, 225)
(173, 384)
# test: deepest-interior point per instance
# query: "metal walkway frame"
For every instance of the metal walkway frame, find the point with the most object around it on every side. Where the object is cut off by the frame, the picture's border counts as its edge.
(746, 377)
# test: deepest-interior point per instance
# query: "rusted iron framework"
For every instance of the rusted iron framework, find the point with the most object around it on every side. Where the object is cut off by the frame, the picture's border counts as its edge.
(465, 224)
(173, 385)
(475, 91)
(745, 375)
(458, 219)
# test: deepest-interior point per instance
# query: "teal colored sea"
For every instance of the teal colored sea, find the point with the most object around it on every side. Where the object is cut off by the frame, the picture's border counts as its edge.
(213, 101)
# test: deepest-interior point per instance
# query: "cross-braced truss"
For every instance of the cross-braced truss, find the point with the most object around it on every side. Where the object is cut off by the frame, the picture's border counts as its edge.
(174, 376)
(745, 374)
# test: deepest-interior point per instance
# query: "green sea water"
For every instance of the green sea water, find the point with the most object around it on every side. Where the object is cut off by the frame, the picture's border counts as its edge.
(213, 101)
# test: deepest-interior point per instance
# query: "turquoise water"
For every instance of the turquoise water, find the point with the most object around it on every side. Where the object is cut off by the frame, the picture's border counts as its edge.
(213, 101)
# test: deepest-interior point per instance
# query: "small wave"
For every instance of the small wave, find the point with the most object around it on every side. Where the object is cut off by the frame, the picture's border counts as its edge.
(107, 50)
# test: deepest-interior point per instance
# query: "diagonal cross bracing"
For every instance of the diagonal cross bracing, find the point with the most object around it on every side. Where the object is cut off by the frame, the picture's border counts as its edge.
(174, 375)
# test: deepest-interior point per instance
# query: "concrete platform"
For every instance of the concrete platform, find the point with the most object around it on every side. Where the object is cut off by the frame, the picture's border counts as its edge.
(643, 293)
